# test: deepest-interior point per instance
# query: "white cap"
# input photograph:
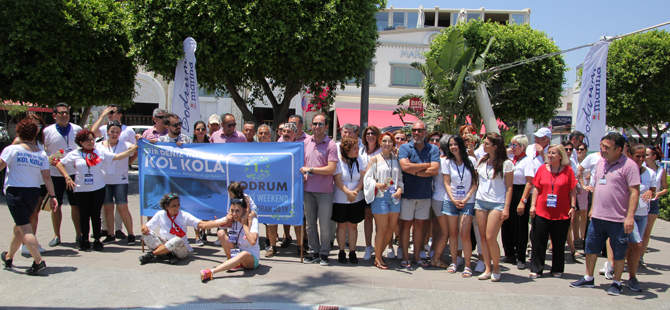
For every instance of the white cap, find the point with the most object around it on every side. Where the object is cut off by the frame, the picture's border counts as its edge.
(543, 132)
(214, 119)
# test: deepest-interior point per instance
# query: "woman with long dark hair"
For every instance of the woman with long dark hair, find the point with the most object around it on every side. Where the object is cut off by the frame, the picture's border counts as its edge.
(460, 182)
(200, 133)
(370, 148)
(494, 197)
(653, 160)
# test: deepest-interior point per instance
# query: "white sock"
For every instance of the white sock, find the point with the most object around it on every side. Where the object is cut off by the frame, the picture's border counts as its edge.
(617, 283)
(588, 278)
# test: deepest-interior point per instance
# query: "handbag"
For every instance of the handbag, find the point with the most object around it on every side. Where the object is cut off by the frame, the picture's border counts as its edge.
(45, 205)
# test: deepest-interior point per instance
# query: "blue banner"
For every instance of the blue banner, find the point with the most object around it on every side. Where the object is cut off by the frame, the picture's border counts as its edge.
(200, 174)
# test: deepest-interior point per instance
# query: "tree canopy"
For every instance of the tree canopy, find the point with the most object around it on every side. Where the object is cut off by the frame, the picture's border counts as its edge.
(638, 76)
(65, 50)
(267, 46)
(532, 90)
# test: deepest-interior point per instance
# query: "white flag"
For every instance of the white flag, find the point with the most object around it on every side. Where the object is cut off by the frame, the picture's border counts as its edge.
(185, 100)
(591, 115)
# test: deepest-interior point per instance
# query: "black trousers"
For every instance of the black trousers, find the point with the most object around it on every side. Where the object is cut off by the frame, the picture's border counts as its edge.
(514, 230)
(539, 236)
(90, 204)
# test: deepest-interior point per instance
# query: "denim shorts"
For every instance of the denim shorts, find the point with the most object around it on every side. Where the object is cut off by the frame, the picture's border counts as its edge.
(638, 231)
(654, 207)
(116, 193)
(384, 205)
(489, 206)
(449, 208)
(598, 232)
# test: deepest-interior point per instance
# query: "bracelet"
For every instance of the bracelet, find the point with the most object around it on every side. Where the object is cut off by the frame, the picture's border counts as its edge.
(573, 207)
(311, 170)
(52, 196)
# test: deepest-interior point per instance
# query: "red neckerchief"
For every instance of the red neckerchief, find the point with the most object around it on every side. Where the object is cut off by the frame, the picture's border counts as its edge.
(91, 158)
(517, 158)
(175, 230)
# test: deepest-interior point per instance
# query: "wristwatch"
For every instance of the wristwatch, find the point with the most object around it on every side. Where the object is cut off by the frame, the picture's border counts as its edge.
(524, 200)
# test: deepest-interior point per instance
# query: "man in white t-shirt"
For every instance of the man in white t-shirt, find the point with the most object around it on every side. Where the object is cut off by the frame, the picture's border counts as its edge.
(537, 150)
(59, 138)
(577, 139)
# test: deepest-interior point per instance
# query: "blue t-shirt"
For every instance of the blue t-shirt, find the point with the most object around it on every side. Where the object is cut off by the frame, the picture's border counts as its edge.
(418, 187)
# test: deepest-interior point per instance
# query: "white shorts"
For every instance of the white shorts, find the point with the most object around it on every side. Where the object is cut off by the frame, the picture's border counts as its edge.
(415, 209)
(175, 245)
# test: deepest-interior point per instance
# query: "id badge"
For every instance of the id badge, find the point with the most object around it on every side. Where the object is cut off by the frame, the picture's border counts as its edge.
(232, 237)
(551, 201)
(460, 191)
(234, 252)
(602, 181)
(88, 179)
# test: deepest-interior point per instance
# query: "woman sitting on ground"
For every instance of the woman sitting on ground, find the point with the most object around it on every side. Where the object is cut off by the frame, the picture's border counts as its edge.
(171, 240)
(241, 241)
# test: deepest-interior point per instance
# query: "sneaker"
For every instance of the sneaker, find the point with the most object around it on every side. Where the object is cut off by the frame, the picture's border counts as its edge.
(84, 245)
(614, 290)
(131, 239)
(520, 265)
(236, 268)
(172, 259)
(119, 235)
(146, 258)
(605, 267)
(24, 250)
(390, 253)
(270, 251)
(199, 242)
(352, 258)
(286, 242)
(583, 283)
(36, 268)
(342, 257)
(97, 246)
(609, 275)
(217, 242)
(480, 266)
(206, 275)
(459, 261)
(311, 259)
(368, 253)
(7, 262)
(108, 240)
(54, 242)
(641, 263)
(324, 260)
(634, 285)
(102, 233)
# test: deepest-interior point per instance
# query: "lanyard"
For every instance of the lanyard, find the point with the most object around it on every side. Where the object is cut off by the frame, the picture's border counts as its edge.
(610, 168)
(389, 165)
(461, 175)
(87, 166)
(109, 146)
(237, 240)
(487, 176)
(554, 177)
(351, 169)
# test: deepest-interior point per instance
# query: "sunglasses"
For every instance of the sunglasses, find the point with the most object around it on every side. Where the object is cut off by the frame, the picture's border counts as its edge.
(512, 145)
(160, 116)
(176, 125)
(201, 129)
(172, 195)
(581, 149)
(369, 133)
(111, 112)
(63, 113)
(568, 149)
(400, 139)
(318, 124)
(231, 125)
(418, 129)
(435, 140)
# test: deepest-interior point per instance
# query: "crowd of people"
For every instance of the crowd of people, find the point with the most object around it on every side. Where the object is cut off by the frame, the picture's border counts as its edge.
(428, 189)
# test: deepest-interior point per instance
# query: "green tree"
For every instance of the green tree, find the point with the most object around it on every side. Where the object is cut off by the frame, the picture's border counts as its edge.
(638, 75)
(73, 51)
(268, 46)
(528, 91)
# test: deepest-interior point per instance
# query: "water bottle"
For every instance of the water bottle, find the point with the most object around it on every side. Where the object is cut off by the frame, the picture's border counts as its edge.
(392, 191)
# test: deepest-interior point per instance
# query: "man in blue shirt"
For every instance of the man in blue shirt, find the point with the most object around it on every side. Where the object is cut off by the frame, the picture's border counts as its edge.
(419, 162)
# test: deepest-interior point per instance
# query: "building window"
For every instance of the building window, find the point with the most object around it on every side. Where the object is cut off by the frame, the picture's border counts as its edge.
(402, 75)
(454, 17)
(202, 92)
(398, 19)
(518, 19)
(382, 21)
(371, 76)
(412, 19)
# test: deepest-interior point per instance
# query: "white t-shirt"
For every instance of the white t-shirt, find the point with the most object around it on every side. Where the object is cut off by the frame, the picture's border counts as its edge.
(589, 164)
(491, 188)
(24, 168)
(647, 180)
(54, 142)
(438, 182)
(350, 177)
(479, 152)
(523, 168)
(242, 241)
(117, 171)
(183, 219)
(455, 172)
(127, 134)
(83, 173)
(538, 160)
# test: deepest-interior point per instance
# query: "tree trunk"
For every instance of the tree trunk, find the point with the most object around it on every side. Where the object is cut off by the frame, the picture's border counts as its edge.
(84, 117)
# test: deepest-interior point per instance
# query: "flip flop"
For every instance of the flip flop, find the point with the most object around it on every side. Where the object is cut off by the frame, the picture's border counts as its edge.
(406, 264)
(380, 266)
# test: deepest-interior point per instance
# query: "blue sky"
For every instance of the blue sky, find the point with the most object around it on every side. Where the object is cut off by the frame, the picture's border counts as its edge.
(571, 23)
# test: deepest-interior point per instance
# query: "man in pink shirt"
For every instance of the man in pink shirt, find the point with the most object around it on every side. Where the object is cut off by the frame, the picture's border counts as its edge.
(159, 129)
(297, 120)
(617, 189)
(227, 133)
(320, 162)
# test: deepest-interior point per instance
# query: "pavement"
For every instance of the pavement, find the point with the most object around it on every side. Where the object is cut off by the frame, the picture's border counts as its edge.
(115, 279)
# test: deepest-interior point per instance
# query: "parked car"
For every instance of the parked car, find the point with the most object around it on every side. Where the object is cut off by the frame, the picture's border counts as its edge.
(139, 129)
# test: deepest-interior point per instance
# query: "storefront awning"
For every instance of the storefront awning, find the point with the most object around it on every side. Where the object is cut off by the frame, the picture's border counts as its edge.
(31, 106)
(377, 118)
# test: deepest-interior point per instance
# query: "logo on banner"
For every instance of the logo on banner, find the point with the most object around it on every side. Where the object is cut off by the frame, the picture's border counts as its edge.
(591, 117)
(416, 105)
(185, 99)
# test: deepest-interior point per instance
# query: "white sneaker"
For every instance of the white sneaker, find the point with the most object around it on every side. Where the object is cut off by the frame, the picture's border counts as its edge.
(368, 253)
(399, 254)
(459, 261)
(217, 242)
(390, 253)
(604, 270)
(24, 250)
(609, 275)
(480, 266)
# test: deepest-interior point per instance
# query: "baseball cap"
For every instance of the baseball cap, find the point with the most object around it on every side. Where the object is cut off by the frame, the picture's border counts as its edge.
(214, 119)
(543, 132)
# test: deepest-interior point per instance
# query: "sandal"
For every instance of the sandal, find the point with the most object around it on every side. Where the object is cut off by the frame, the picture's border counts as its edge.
(406, 264)
(206, 275)
(533, 275)
(439, 263)
(467, 272)
(452, 268)
(380, 266)
(423, 263)
(574, 256)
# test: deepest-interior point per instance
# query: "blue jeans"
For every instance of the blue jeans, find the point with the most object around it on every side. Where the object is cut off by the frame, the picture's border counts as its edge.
(449, 208)
(489, 206)
(598, 232)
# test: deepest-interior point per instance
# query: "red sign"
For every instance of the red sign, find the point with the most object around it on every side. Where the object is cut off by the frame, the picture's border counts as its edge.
(416, 104)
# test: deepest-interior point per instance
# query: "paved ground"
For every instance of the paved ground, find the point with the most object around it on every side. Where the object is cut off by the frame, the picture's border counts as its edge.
(115, 279)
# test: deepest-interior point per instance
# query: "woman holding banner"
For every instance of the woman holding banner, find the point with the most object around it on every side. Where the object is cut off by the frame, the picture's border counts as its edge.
(200, 136)
(89, 184)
